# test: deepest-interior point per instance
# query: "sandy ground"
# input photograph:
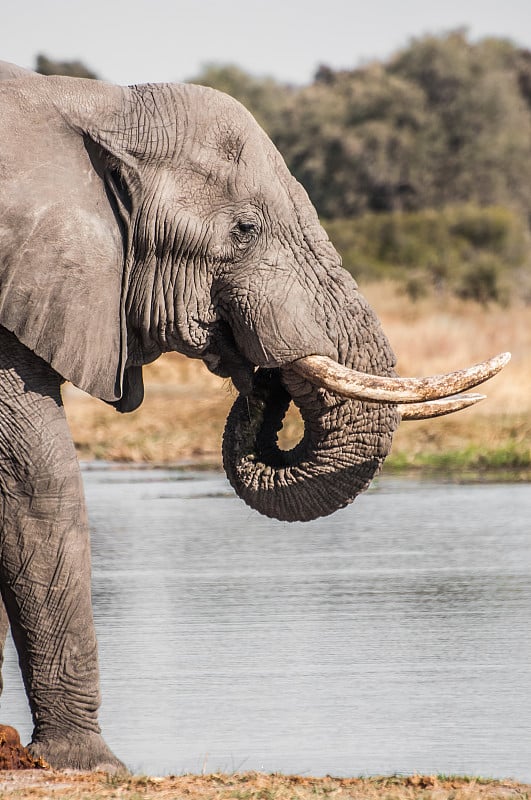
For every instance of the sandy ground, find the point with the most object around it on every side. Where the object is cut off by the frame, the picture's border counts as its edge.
(252, 786)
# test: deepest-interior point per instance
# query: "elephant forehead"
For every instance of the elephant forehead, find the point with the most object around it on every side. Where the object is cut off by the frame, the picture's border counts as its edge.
(220, 138)
(205, 182)
(227, 150)
(224, 139)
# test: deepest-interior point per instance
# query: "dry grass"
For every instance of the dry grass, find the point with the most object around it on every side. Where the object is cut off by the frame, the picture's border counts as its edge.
(181, 418)
(183, 414)
(432, 336)
(255, 786)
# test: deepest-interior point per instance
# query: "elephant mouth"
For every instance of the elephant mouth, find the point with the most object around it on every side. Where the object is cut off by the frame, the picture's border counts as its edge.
(421, 397)
(349, 420)
(223, 358)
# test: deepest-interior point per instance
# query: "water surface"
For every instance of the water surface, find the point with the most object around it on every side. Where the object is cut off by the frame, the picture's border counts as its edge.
(391, 637)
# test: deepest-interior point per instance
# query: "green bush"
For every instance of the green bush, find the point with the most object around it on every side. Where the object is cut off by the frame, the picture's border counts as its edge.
(444, 121)
(471, 252)
(481, 281)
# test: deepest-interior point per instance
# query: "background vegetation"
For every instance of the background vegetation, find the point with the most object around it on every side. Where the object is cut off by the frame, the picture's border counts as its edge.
(420, 168)
(443, 122)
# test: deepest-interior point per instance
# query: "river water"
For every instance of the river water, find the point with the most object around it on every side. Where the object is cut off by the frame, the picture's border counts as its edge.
(394, 636)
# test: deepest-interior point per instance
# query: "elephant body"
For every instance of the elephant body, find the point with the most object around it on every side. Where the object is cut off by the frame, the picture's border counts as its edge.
(134, 221)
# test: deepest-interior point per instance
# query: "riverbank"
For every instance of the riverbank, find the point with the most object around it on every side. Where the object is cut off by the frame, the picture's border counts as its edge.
(182, 417)
(253, 786)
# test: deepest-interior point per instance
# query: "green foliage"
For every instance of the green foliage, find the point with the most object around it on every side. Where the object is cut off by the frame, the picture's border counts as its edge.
(480, 146)
(352, 143)
(511, 461)
(444, 122)
(471, 252)
(481, 282)
(72, 69)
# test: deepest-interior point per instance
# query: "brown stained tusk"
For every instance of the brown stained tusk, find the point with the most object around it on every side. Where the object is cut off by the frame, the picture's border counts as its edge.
(438, 408)
(328, 374)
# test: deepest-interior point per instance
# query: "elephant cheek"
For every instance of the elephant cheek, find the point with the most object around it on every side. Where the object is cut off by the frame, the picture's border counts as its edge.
(344, 445)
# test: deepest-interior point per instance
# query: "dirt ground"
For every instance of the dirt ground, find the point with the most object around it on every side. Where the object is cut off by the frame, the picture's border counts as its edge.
(252, 786)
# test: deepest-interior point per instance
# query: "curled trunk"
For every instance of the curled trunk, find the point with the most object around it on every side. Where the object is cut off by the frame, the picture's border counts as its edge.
(344, 445)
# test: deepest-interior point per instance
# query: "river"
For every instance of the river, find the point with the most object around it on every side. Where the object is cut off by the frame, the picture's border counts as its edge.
(393, 636)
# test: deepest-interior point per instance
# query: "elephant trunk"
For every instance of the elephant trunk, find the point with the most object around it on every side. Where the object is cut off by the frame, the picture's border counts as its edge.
(346, 439)
(344, 444)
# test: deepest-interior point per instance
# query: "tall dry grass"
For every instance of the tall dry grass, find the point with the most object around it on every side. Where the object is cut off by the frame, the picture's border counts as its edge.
(184, 411)
(181, 418)
(436, 334)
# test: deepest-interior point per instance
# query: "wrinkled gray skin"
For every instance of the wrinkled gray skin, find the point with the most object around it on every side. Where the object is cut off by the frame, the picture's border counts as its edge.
(136, 221)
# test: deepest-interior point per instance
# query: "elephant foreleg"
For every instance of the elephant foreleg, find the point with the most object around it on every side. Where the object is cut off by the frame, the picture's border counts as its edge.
(45, 563)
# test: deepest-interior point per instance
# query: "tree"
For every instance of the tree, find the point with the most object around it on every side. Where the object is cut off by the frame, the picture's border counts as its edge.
(480, 147)
(73, 69)
(352, 140)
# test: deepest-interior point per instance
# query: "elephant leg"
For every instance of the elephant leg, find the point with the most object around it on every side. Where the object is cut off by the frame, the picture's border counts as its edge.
(45, 563)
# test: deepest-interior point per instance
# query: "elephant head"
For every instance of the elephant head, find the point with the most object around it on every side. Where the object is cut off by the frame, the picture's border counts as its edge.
(161, 217)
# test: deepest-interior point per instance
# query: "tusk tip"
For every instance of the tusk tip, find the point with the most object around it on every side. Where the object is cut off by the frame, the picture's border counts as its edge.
(503, 358)
(440, 407)
(497, 363)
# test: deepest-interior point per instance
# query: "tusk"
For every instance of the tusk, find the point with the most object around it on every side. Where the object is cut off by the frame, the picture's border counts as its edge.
(328, 374)
(438, 408)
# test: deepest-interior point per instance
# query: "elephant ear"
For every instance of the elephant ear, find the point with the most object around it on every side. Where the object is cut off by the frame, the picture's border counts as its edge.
(62, 235)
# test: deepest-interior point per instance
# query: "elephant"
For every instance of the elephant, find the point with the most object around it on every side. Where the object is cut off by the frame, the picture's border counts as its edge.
(136, 221)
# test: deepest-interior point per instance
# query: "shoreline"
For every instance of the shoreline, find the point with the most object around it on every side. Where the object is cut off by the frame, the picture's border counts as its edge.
(487, 474)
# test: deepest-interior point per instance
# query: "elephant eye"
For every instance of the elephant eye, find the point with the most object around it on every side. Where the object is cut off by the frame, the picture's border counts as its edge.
(245, 232)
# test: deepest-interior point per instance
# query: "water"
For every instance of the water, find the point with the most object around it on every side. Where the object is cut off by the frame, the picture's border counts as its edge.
(391, 637)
